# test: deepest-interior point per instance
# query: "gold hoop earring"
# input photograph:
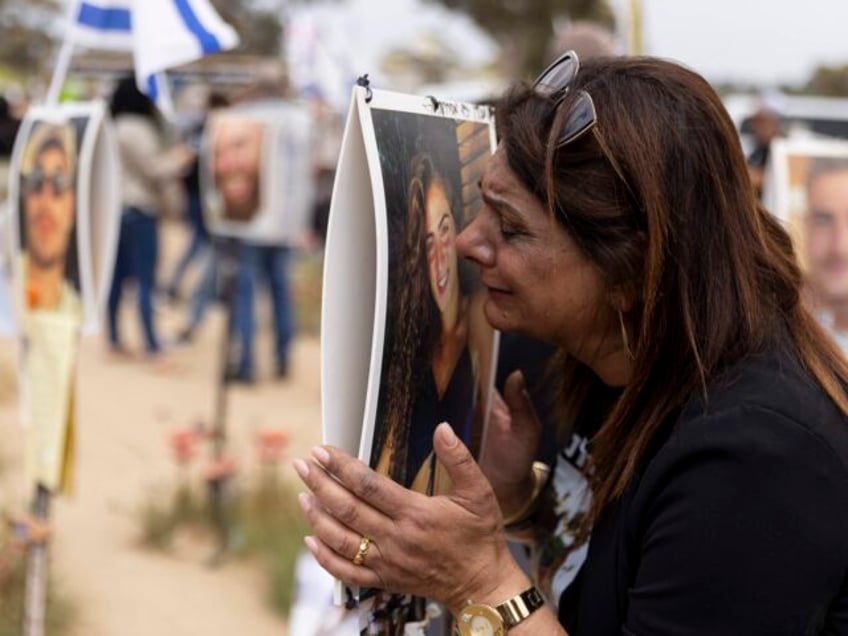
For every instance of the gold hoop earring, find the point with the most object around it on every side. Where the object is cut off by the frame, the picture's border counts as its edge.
(624, 337)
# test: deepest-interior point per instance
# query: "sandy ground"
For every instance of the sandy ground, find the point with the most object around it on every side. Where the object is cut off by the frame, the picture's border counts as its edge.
(127, 408)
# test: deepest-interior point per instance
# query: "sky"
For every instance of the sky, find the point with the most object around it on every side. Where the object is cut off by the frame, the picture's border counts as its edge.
(762, 42)
(767, 42)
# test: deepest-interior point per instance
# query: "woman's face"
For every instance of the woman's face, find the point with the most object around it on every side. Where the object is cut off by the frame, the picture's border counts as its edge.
(440, 240)
(538, 281)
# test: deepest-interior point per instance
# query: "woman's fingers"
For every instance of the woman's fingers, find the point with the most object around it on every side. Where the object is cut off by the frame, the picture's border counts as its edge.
(334, 497)
(378, 490)
(342, 568)
(524, 418)
(471, 489)
(339, 538)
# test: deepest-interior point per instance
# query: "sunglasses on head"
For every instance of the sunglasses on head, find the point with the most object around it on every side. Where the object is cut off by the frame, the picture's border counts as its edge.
(34, 182)
(554, 82)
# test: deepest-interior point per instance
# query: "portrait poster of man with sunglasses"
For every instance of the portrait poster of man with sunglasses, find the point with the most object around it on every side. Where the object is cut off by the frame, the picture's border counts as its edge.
(47, 221)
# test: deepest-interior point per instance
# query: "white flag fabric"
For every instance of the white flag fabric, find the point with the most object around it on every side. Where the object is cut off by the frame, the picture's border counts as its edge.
(161, 34)
(169, 33)
(103, 24)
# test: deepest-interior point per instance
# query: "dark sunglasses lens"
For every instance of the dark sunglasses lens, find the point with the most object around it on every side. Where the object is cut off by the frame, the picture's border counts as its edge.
(581, 118)
(558, 75)
(35, 182)
(60, 184)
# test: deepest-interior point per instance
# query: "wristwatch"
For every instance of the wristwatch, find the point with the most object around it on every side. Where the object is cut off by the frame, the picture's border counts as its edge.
(477, 619)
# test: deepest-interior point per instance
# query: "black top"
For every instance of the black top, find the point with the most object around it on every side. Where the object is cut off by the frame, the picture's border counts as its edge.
(737, 524)
(429, 410)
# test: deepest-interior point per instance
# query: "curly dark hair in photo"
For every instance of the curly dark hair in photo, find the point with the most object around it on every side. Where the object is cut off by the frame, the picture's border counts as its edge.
(418, 328)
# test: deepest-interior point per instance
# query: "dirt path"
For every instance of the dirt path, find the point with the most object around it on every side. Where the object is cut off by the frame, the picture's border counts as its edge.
(126, 411)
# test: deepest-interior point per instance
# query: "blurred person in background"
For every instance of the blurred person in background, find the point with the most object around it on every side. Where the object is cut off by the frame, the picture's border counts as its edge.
(8, 131)
(268, 263)
(765, 126)
(826, 244)
(328, 126)
(9, 126)
(204, 292)
(147, 167)
(199, 245)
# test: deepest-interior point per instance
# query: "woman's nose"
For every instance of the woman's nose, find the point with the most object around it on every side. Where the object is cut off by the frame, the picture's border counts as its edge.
(473, 242)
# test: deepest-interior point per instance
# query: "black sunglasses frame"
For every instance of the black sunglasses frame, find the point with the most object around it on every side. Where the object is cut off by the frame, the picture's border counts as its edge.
(34, 183)
(554, 82)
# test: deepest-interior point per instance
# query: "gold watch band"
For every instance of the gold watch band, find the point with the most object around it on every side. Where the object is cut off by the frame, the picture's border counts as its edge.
(521, 606)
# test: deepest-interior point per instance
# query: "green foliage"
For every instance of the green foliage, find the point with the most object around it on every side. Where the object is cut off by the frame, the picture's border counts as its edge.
(259, 29)
(307, 271)
(60, 610)
(526, 27)
(31, 32)
(831, 81)
(263, 522)
(161, 516)
(271, 526)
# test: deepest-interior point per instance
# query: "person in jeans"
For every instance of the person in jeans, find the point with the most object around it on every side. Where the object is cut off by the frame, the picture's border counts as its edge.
(147, 168)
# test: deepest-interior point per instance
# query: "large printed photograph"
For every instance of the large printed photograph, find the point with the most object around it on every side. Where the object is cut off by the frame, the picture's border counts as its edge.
(438, 346)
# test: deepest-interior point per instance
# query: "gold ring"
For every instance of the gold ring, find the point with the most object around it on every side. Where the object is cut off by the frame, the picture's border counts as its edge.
(362, 552)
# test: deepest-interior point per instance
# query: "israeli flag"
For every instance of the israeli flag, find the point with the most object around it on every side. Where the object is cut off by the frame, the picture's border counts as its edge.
(161, 34)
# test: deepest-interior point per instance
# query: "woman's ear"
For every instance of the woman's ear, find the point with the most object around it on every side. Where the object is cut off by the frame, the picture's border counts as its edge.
(621, 298)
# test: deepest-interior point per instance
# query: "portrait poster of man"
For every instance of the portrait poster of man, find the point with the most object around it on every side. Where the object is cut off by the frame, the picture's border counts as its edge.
(236, 155)
(63, 216)
(406, 186)
(807, 187)
(46, 239)
(49, 263)
(255, 172)
(64, 196)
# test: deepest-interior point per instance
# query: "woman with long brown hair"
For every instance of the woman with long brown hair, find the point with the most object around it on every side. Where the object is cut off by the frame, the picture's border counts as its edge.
(621, 224)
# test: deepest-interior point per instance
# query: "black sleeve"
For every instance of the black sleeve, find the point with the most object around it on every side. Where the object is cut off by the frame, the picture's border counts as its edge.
(739, 528)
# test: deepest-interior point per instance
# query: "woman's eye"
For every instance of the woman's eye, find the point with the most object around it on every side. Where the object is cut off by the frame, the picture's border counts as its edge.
(509, 231)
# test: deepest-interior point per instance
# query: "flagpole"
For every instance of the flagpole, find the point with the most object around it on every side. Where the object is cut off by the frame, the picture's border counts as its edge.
(637, 45)
(60, 72)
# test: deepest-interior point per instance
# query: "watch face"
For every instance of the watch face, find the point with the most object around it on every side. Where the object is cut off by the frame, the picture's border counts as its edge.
(480, 620)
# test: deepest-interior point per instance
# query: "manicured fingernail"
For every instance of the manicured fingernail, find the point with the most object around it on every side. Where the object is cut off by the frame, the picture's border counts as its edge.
(448, 435)
(301, 467)
(305, 501)
(311, 544)
(320, 453)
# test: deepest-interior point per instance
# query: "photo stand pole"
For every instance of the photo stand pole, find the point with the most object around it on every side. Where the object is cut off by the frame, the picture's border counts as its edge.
(60, 72)
(35, 596)
(35, 602)
(229, 252)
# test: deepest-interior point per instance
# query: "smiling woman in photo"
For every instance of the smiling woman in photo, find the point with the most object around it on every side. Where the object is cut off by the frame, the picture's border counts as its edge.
(438, 355)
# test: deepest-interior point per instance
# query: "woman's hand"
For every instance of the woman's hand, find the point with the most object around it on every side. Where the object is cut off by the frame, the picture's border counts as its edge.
(511, 443)
(447, 548)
